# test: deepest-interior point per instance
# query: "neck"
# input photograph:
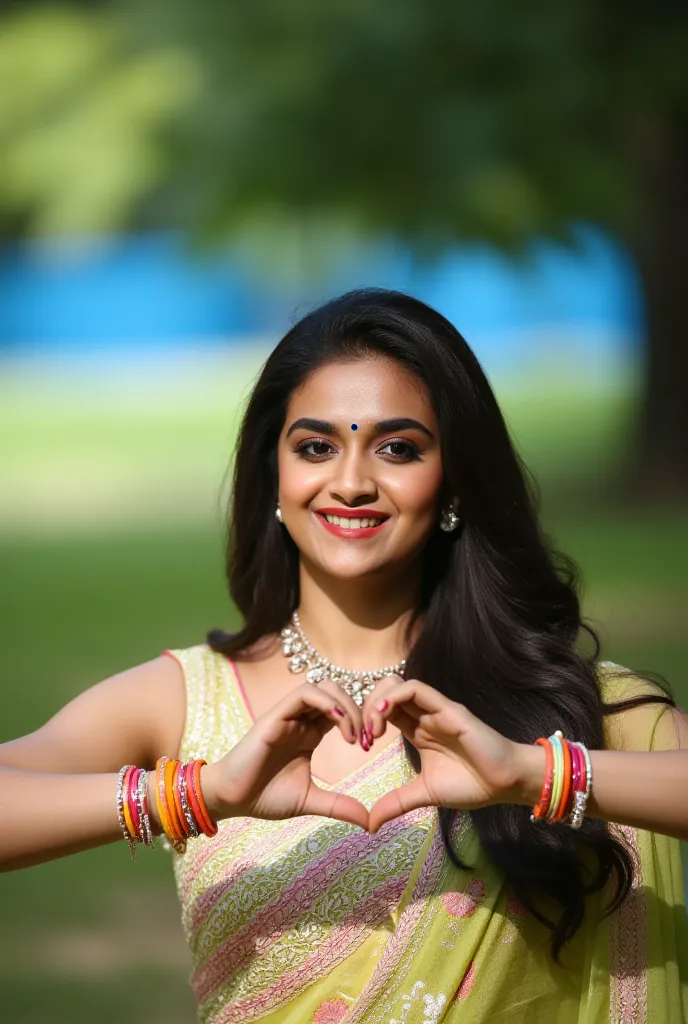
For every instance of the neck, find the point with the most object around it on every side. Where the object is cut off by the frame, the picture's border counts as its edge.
(358, 624)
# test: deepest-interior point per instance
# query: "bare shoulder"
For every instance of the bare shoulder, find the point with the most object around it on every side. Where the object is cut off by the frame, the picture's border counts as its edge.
(653, 724)
(130, 717)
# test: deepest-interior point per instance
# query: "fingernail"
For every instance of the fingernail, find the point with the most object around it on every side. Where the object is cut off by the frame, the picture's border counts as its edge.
(338, 711)
(364, 741)
(369, 732)
(383, 705)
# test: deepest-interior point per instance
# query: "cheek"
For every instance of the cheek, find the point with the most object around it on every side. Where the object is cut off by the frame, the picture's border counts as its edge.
(417, 491)
(298, 479)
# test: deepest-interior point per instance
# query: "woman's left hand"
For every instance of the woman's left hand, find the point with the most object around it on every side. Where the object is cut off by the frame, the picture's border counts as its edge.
(465, 764)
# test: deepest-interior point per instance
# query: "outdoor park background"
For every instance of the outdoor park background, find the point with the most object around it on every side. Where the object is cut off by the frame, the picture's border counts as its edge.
(168, 207)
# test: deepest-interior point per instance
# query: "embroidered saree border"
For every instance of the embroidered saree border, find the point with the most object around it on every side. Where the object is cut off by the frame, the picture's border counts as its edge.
(380, 994)
(265, 925)
(628, 946)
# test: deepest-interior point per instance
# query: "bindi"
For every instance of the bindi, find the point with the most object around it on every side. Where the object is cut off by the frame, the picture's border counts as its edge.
(354, 426)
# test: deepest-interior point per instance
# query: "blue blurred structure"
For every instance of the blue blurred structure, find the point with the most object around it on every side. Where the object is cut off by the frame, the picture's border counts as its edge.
(148, 291)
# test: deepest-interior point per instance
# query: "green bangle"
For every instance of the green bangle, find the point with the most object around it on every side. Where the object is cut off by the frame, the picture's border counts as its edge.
(558, 771)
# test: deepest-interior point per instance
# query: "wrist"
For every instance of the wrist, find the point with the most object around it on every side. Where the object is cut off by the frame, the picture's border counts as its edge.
(210, 787)
(531, 766)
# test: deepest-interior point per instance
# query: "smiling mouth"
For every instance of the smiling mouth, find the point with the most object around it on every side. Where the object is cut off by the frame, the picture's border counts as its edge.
(346, 523)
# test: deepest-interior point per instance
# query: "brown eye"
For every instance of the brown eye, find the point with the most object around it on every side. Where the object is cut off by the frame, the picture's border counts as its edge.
(314, 449)
(400, 451)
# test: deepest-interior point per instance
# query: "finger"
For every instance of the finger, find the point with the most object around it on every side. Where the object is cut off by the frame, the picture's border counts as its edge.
(373, 721)
(405, 723)
(335, 805)
(306, 699)
(399, 801)
(345, 701)
(416, 699)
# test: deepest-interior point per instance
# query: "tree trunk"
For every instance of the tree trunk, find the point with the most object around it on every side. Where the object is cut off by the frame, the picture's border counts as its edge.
(661, 469)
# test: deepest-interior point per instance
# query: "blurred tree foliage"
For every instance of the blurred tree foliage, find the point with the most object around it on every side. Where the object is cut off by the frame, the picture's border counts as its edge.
(432, 121)
(80, 119)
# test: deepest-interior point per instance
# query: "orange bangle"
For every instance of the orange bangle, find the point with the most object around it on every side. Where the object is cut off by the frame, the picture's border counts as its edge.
(175, 825)
(563, 808)
(542, 806)
(161, 800)
(163, 807)
(125, 803)
(208, 826)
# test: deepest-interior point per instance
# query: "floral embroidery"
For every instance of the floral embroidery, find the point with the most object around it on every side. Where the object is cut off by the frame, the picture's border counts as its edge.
(515, 907)
(464, 904)
(332, 1011)
(515, 912)
(432, 1005)
(467, 982)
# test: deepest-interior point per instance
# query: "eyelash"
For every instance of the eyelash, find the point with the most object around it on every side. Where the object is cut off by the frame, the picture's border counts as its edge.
(411, 455)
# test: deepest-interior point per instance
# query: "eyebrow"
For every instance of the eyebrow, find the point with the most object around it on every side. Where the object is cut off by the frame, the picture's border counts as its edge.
(381, 427)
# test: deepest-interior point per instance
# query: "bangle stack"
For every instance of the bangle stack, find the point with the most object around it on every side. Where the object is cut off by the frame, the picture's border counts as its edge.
(178, 799)
(568, 781)
(132, 807)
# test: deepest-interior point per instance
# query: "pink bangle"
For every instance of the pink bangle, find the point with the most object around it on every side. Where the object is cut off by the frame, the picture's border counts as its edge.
(575, 768)
(584, 769)
(132, 790)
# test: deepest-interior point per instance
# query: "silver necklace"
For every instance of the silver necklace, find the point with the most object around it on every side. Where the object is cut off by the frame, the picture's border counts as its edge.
(303, 657)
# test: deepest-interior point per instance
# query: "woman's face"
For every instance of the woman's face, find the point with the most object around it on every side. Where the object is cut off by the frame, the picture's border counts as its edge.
(359, 467)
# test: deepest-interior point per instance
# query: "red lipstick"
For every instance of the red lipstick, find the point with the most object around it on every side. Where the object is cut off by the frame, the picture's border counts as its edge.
(359, 533)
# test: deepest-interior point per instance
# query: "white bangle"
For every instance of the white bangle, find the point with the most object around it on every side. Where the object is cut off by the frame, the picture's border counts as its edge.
(581, 797)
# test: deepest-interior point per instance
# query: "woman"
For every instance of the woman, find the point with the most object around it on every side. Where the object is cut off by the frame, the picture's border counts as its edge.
(393, 844)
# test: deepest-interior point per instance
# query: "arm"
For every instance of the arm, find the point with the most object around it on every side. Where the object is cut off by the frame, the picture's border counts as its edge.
(58, 784)
(48, 815)
(465, 764)
(266, 775)
(642, 783)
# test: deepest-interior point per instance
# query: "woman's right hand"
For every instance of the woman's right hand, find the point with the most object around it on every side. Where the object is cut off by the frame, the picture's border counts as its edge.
(268, 773)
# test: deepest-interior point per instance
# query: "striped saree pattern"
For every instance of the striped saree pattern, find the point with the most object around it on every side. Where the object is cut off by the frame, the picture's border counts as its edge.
(313, 920)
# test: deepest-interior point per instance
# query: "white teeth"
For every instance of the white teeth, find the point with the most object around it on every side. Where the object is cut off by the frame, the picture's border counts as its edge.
(351, 524)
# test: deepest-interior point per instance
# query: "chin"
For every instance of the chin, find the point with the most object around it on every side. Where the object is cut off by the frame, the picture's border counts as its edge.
(349, 568)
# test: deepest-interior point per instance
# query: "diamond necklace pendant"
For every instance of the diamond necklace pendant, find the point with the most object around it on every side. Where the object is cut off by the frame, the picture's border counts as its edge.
(303, 657)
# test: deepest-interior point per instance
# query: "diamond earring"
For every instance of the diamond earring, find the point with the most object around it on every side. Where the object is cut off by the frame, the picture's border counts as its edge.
(278, 514)
(449, 521)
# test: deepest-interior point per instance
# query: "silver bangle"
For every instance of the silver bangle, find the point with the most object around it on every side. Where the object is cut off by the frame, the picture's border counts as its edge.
(190, 819)
(120, 810)
(581, 797)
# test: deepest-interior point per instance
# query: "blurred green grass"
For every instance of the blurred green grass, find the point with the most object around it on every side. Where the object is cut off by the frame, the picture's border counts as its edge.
(94, 937)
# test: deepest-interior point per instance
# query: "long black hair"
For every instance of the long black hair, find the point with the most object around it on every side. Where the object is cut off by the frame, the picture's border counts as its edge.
(499, 622)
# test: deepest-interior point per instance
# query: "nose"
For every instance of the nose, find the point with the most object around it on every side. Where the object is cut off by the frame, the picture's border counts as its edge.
(353, 483)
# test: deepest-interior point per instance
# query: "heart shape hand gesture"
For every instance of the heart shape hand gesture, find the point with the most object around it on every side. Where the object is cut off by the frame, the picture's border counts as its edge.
(268, 773)
(465, 764)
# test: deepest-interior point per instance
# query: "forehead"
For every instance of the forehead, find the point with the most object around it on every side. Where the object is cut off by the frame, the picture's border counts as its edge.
(370, 388)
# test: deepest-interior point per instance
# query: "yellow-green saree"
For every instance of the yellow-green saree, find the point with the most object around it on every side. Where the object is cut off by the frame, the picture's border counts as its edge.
(312, 920)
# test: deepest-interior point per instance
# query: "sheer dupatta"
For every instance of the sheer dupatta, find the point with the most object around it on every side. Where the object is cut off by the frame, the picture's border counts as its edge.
(314, 920)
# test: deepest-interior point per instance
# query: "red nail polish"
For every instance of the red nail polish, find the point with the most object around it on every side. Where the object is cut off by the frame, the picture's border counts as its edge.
(364, 741)
(384, 704)
(338, 711)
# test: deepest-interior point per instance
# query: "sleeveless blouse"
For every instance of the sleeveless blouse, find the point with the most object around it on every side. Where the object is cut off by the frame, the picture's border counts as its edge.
(313, 920)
